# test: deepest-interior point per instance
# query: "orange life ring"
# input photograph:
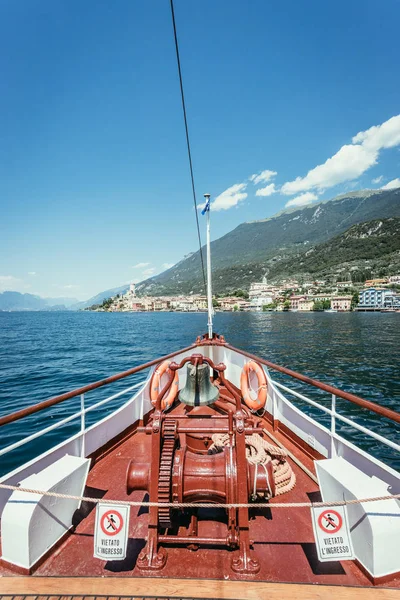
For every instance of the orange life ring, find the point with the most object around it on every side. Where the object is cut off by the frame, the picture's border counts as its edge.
(255, 399)
(156, 385)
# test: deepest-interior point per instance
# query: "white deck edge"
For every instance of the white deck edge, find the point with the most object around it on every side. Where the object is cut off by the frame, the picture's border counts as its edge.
(309, 430)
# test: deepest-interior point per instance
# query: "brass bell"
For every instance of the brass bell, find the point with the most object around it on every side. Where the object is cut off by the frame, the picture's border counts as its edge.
(198, 391)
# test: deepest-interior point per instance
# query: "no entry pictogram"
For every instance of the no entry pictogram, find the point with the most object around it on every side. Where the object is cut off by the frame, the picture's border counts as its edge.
(111, 522)
(332, 533)
(111, 531)
(330, 521)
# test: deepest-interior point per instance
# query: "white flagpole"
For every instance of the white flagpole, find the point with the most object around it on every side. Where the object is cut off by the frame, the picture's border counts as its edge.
(209, 290)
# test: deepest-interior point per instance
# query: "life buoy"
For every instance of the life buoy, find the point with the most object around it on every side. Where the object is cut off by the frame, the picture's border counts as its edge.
(158, 382)
(254, 398)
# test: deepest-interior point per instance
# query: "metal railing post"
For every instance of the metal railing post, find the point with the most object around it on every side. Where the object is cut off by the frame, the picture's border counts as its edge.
(73, 417)
(274, 410)
(333, 426)
(83, 427)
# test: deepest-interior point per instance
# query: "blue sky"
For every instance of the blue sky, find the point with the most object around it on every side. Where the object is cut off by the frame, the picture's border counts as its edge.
(94, 175)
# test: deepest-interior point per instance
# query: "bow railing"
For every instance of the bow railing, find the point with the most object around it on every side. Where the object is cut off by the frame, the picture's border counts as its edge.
(84, 409)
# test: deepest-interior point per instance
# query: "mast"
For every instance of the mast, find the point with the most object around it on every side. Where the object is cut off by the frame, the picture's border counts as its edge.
(209, 290)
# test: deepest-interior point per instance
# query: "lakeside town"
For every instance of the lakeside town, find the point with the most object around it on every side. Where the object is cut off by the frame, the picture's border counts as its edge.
(373, 295)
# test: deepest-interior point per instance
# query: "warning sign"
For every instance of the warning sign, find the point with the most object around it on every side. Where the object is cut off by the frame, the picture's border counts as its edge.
(331, 532)
(330, 521)
(111, 522)
(111, 531)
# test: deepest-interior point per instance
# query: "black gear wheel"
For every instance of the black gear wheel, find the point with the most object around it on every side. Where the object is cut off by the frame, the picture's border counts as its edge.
(165, 472)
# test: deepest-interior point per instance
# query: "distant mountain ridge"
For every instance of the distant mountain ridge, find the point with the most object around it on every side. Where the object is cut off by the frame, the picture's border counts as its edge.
(273, 245)
(17, 301)
(360, 251)
(98, 299)
(260, 243)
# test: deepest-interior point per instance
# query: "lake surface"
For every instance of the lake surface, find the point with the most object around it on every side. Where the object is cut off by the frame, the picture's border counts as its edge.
(45, 354)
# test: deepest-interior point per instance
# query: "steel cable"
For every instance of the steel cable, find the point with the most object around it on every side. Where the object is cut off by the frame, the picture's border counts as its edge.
(188, 141)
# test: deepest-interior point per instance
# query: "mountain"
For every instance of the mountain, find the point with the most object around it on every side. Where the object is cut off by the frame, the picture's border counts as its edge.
(253, 248)
(362, 250)
(62, 301)
(98, 299)
(17, 301)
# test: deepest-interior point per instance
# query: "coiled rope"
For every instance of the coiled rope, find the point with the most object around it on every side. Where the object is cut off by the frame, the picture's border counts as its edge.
(261, 452)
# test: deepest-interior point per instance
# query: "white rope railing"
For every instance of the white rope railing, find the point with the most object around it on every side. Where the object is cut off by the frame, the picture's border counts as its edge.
(16, 488)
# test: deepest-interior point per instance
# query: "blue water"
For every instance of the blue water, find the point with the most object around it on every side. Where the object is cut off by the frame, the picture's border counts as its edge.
(45, 354)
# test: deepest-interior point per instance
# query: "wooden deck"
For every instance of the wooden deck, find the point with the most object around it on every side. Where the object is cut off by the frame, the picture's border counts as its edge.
(90, 588)
(283, 543)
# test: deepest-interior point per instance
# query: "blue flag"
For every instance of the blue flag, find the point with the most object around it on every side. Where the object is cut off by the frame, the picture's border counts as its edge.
(207, 207)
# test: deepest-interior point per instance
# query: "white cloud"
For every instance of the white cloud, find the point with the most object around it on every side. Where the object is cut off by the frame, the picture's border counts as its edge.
(9, 283)
(167, 265)
(351, 161)
(148, 272)
(141, 265)
(70, 286)
(377, 137)
(262, 177)
(229, 198)
(266, 191)
(391, 185)
(377, 179)
(302, 200)
(33, 273)
(348, 163)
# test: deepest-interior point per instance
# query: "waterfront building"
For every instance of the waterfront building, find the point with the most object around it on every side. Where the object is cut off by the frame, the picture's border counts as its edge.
(132, 289)
(148, 303)
(186, 304)
(341, 303)
(160, 304)
(258, 290)
(175, 302)
(200, 302)
(305, 304)
(392, 301)
(261, 294)
(137, 306)
(258, 303)
(320, 297)
(243, 305)
(227, 303)
(294, 301)
(374, 298)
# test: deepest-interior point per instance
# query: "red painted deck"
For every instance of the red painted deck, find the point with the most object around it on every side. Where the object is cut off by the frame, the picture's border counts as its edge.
(283, 538)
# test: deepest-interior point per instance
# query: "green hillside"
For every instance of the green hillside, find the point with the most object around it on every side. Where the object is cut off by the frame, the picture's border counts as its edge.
(364, 250)
(247, 252)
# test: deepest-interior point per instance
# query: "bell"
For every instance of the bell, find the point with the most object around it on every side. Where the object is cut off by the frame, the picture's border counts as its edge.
(198, 391)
